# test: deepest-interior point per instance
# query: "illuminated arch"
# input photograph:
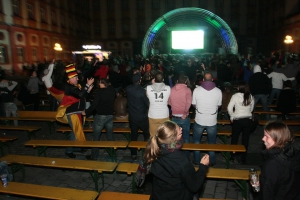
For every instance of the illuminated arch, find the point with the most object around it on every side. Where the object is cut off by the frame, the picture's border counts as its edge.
(169, 19)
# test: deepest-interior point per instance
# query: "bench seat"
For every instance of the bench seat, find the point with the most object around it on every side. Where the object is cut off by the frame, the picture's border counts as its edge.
(95, 167)
(29, 129)
(5, 141)
(47, 192)
(287, 122)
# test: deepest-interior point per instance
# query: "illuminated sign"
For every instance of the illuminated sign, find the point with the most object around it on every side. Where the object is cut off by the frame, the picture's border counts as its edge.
(91, 46)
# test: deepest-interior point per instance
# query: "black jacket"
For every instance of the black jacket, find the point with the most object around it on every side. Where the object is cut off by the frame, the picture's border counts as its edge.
(175, 177)
(280, 173)
(287, 101)
(137, 102)
(259, 83)
(74, 91)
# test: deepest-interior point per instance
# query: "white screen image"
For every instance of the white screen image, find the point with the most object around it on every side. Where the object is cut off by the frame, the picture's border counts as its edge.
(188, 39)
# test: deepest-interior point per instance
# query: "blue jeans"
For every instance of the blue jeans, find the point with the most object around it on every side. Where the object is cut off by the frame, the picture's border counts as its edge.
(275, 93)
(185, 124)
(101, 121)
(263, 101)
(211, 136)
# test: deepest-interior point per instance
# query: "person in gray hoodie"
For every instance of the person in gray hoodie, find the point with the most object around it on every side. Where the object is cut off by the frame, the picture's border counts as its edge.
(33, 87)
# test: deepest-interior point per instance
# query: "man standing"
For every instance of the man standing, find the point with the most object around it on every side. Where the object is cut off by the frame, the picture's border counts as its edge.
(72, 106)
(158, 94)
(180, 101)
(207, 99)
(138, 104)
(260, 87)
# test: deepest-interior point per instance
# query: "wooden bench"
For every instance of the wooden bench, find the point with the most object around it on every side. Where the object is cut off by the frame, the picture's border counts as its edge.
(106, 195)
(110, 146)
(287, 122)
(46, 192)
(5, 141)
(225, 149)
(30, 130)
(274, 112)
(296, 134)
(95, 168)
(239, 176)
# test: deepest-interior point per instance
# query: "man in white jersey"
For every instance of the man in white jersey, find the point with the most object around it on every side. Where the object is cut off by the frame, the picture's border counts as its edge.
(207, 99)
(158, 94)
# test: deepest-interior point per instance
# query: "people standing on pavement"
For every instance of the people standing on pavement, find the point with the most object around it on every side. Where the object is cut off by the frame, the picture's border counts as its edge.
(280, 172)
(158, 94)
(138, 105)
(180, 101)
(174, 175)
(240, 110)
(71, 109)
(7, 95)
(207, 99)
(33, 87)
(104, 105)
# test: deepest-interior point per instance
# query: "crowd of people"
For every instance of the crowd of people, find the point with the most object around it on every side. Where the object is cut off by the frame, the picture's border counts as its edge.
(147, 91)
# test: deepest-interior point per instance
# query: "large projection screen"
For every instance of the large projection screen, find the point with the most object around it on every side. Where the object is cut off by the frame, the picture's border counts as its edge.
(188, 39)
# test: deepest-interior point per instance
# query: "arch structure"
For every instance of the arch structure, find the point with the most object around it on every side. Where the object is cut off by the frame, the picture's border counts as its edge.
(221, 28)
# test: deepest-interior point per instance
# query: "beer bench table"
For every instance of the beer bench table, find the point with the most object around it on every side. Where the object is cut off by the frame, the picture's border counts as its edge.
(46, 192)
(95, 168)
(30, 130)
(5, 141)
(239, 176)
(225, 149)
(106, 195)
(110, 146)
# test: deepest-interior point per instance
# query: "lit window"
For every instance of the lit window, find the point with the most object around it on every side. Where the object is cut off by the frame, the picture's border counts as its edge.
(20, 54)
(3, 54)
(30, 11)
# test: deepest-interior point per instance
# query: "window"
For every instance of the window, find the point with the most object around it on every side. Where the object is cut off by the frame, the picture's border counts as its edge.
(219, 3)
(111, 28)
(170, 4)
(16, 7)
(155, 4)
(53, 17)
(3, 56)
(34, 54)
(202, 3)
(141, 27)
(30, 11)
(125, 27)
(234, 3)
(97, 29)
(46, 54)
(125, 5)
(96, 5)
(62, 20)
(20, 54)
(140, 4)
(70, 23)
(43, 15)
(110, 5)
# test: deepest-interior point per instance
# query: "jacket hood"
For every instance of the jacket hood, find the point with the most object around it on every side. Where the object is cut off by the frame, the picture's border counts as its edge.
(289, 155)
(208, 85)
(158, 87)
(180, 86)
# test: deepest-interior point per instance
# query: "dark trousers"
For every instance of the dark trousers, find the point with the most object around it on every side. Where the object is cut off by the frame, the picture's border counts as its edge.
(241, 126)
(135, 125)
(36, 100)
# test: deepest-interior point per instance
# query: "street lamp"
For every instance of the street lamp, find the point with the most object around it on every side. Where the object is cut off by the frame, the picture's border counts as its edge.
(57, 48)
(288, 40)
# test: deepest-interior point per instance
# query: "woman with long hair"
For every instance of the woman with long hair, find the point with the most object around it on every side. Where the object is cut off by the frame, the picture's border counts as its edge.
(174, 175)
(240, 110)
(280, 173)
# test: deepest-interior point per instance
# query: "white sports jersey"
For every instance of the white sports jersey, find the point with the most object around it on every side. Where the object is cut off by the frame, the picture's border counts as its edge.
(158, 95)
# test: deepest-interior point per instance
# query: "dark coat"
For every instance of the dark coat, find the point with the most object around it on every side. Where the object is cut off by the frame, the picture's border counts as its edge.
(259, 83)
(287, 101)
(175, 177)
(280, 173)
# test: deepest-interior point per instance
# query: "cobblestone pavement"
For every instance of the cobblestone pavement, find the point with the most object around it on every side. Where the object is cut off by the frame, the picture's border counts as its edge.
(212, 188)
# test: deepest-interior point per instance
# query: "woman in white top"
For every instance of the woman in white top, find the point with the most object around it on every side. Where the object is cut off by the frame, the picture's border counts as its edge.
(240, 110)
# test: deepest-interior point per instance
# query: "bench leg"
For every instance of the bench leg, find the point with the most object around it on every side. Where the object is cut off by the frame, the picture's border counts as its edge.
(2, 144)
(17, 167)
(243, 185)
(226, 155)
(95, 177)
(51, 127)
(127, 136)
(31, 133)
(133, 185)
(112, 154)
(223, 138)
(41, 150)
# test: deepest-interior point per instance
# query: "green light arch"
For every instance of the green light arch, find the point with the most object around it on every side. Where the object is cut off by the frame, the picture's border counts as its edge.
(223, 31)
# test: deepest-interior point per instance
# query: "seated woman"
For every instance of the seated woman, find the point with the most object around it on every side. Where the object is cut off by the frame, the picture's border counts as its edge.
(280, 173)
(174, 175)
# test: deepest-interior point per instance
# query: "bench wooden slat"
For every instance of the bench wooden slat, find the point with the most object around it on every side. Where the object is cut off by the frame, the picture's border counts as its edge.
(19, 128)
(47, 192)
(287, 122)
(7, 138)
(191, 146)
(68, 143)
